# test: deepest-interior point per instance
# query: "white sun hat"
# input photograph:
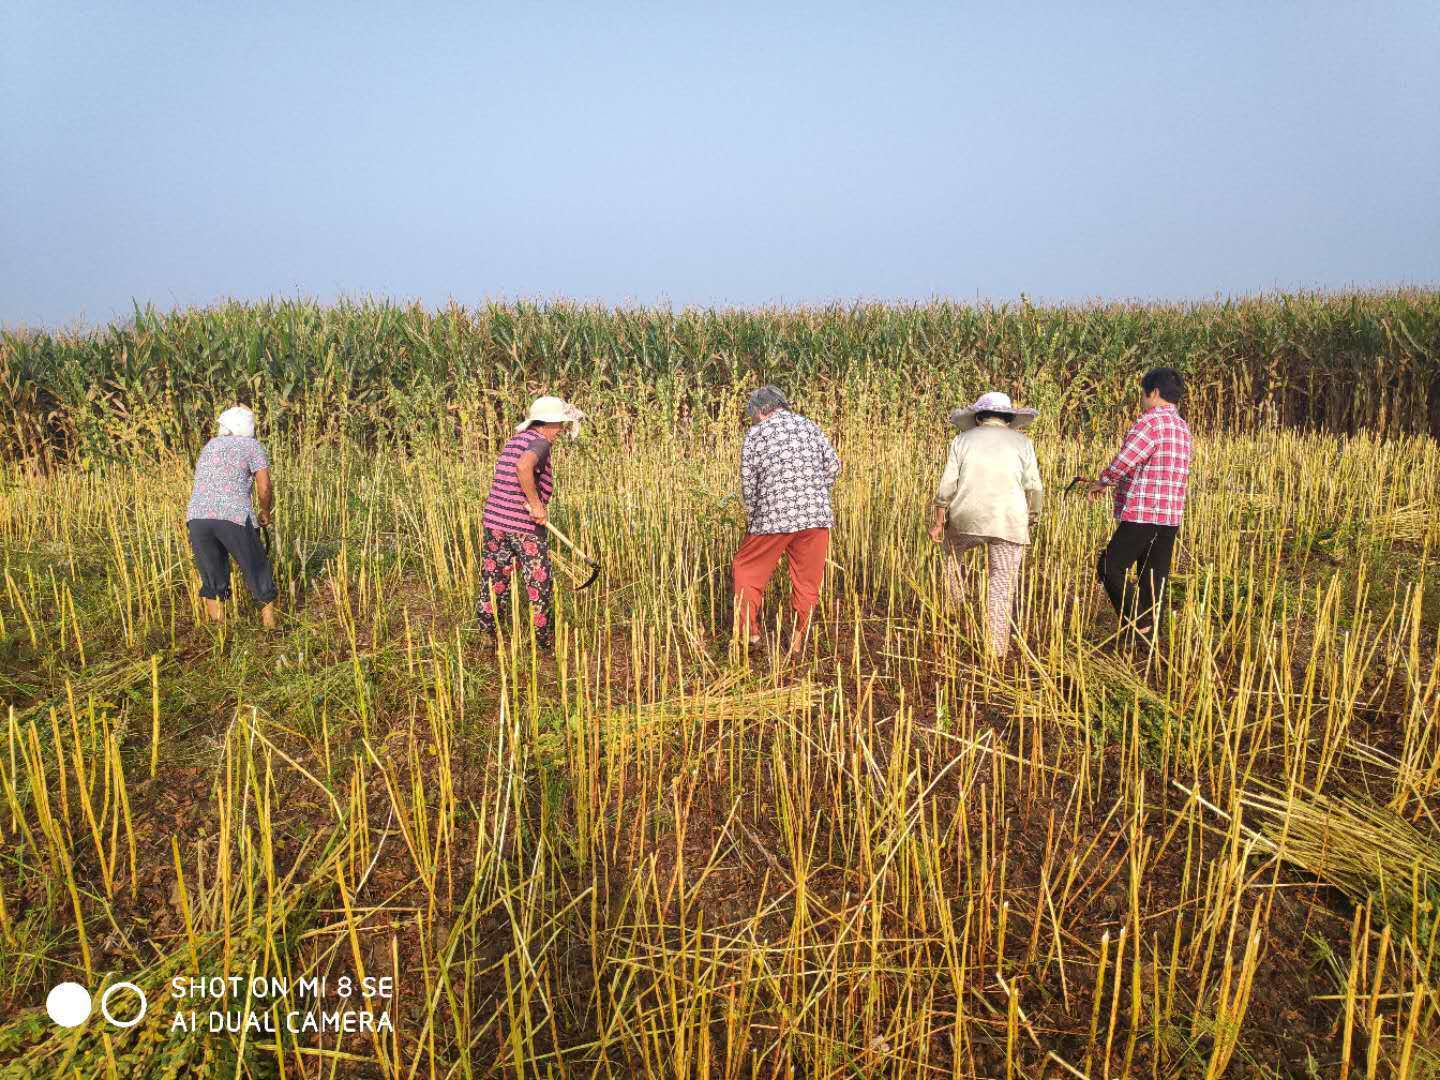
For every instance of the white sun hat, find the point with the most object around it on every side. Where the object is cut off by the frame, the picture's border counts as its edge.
(552, 410)
(238, 421)
(996, 402)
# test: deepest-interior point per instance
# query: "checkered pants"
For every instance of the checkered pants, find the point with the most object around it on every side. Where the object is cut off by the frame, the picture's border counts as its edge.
(1004, 559)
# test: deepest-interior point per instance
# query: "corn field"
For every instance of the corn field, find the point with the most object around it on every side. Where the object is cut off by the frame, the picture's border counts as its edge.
(653, 854)
(381, 373)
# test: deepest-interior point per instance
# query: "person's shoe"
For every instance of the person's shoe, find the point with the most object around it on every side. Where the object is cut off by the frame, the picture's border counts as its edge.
(269, 618)
(742, 649)
(1135, 641)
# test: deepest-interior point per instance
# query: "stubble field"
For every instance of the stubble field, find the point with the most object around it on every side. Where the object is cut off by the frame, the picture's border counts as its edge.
(647, 855)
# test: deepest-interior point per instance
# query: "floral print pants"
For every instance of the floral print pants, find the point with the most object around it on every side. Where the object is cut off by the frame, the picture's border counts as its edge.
(1004, 559)
(503, 551)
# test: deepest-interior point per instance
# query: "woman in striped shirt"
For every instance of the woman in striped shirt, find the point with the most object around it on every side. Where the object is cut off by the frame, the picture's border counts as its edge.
(514, 521)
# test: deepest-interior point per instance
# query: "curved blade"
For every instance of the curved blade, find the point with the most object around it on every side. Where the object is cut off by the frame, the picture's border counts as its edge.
(594, 573)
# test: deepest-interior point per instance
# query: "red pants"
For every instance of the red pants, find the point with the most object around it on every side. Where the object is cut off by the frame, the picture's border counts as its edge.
(757, 559)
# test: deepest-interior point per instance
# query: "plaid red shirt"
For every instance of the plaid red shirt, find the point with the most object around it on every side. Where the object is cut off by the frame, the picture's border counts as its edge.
(1152, 469)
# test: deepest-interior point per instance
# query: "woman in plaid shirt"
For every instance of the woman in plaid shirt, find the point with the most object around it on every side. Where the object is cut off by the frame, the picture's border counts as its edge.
(1149, 476)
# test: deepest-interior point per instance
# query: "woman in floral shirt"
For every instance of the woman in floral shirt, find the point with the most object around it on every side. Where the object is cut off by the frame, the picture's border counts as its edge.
(220, 520)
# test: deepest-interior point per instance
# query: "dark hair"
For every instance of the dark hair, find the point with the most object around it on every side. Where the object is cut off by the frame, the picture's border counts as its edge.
(766, 400)
(1168, 381)
(989, 414)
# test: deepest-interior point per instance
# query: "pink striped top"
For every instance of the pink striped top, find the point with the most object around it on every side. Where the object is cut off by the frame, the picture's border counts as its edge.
(506, 509)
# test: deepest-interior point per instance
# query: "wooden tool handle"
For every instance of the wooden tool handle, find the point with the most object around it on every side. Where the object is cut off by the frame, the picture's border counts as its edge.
(567, 542)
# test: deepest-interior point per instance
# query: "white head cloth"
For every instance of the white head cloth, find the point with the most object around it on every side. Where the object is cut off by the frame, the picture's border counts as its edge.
(238, 421)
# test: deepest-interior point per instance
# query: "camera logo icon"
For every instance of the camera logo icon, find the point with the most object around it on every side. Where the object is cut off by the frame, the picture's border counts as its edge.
(69, 1004)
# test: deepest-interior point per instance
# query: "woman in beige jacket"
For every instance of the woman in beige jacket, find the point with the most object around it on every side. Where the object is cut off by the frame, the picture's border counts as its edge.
(989, 494)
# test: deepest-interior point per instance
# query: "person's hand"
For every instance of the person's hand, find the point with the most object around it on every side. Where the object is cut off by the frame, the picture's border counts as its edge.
(937, 532)
(538, 513)
(1095, 490)
(264, 519)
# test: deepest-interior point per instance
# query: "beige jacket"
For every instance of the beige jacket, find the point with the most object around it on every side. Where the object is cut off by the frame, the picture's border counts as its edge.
(991, 484)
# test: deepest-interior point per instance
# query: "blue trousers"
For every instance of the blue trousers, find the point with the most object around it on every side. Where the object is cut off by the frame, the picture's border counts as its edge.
(214, 543)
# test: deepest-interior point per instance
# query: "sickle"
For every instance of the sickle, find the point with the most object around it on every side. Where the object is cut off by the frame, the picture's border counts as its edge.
(594, 566)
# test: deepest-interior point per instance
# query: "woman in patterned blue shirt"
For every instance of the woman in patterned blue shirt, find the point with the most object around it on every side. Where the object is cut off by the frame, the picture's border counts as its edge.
(221, 521)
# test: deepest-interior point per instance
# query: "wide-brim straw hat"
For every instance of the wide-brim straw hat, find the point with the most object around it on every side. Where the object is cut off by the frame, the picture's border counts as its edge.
(994, 401)
(552, 410)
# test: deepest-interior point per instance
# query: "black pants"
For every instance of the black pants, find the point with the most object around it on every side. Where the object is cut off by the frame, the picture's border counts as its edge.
(1148, 548)
(215, 543)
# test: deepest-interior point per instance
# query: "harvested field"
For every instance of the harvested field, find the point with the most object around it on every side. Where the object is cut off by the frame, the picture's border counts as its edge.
(648, 853)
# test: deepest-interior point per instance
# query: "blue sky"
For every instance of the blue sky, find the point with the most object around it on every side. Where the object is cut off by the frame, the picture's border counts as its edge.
(735, 154)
